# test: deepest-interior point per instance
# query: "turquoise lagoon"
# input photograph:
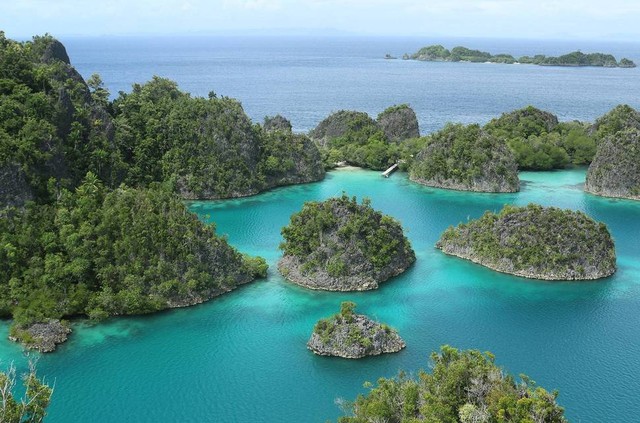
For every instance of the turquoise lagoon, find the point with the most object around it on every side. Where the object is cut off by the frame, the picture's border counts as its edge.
(242, 357)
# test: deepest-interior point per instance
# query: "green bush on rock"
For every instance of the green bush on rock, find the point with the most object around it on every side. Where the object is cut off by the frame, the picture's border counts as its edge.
(463, 386)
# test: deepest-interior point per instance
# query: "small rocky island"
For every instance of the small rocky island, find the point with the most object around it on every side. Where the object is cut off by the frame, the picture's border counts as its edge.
(535, 242)
(466, 158)
(41, 336)
(340, 245)
(351, 335)
(438, 53)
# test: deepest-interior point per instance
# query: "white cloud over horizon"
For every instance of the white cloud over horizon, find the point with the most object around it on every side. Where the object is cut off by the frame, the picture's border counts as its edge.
(617, 19)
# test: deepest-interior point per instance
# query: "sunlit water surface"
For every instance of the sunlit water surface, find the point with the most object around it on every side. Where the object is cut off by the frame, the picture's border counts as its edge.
(242, 357)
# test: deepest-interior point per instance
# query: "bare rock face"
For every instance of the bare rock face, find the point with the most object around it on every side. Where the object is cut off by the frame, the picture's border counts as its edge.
(277, 123)
(43, 336)
(339, 245)
(615, 169)
(350, 335)
(399, 123)
(55, 50)
(339, 124)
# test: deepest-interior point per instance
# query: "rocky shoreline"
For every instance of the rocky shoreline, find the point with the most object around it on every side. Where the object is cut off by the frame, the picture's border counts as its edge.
(535, 242)
(340, 245)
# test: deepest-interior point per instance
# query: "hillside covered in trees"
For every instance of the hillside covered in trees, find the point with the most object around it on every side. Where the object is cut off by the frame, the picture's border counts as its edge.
(462, 386)
(357, 139)
(466, 158)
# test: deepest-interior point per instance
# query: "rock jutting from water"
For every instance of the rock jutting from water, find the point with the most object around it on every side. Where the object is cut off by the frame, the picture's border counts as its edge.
(43, 336)
(340, 245)
(535, 242)
(351, 335)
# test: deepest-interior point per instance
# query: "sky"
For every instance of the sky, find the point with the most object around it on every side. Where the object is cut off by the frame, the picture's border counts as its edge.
(535, 19)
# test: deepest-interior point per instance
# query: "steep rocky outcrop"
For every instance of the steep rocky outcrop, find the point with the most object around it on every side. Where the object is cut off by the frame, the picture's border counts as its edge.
(340, 245)
(615, 170)
(43, 337)
(341, 123)
(350, 335)
(276, 123)
(399, 123)
(535, 242)
(466, 158)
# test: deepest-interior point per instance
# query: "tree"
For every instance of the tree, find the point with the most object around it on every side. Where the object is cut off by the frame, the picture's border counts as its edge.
(99, 93)
(32, 408)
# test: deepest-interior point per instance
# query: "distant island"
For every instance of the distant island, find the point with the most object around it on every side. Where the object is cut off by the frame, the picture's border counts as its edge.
(351, 335)
(438, 53)
(535, 242)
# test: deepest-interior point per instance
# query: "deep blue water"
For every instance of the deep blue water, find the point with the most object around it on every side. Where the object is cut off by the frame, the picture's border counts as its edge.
(242, 357)
(305, 79)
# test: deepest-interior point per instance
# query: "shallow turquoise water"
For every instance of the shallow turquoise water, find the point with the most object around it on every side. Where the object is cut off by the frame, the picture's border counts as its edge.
(242, 357)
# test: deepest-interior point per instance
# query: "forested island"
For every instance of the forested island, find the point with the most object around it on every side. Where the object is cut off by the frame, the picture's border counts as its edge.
(462, 386)
(615, 170)
(466, 158)
(350, 335)
(535, 242)
(91, 191)
(438, 53)
(340, 245)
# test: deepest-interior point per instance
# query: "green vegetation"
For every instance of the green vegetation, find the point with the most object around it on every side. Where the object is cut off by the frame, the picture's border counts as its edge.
(207, 147)
(620, 118)
(463, 386)
(615, 171)
(535, 242)
(101, 253)
(437, 53)
(539, 142)
(466, 158)
(355, 138)
(339, 244)
(351, 335)
(32, 408)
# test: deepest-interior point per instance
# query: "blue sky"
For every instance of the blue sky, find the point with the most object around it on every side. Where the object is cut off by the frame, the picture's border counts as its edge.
(564, 19)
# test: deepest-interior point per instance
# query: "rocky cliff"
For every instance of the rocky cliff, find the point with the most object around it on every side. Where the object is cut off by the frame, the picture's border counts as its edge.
(340, 245)
(615, 170)
(399, 123)
(535, 242)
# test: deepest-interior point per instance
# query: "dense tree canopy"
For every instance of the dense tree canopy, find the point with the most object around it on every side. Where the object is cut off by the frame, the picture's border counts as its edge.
(32, 408)
(540, 142)
(466, 158)
(102, 252)
(463, 387)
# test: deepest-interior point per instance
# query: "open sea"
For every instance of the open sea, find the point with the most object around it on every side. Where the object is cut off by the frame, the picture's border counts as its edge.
(242, 357)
